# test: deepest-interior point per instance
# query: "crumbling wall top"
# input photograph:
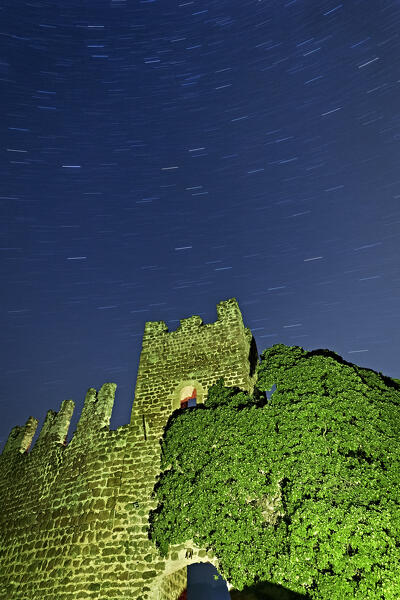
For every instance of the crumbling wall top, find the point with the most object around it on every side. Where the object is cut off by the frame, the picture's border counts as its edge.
(228, 313)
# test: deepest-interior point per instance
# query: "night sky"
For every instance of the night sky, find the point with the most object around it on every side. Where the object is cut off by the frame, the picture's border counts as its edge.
(159, 157)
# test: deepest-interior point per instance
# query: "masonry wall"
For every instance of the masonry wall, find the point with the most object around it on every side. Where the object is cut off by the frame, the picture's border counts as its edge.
(74, 518)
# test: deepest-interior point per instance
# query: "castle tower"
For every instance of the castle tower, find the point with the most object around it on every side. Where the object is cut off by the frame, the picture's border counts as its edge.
(74, 519)
(175, 365)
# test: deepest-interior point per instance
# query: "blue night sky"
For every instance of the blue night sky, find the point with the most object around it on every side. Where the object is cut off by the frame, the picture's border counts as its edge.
(161, 156)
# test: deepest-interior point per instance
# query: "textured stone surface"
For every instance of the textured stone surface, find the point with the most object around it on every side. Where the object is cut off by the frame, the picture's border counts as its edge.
(74, 518)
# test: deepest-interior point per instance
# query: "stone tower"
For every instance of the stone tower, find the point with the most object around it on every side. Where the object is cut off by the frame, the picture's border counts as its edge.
(74, 518)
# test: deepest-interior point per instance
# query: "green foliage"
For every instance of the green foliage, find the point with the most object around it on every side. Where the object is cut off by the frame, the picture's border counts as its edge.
(275, 361)
(234, 397)
(302, 492)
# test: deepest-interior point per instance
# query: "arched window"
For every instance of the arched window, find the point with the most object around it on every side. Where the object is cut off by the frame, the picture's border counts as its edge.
(188, 396)
(187, 393)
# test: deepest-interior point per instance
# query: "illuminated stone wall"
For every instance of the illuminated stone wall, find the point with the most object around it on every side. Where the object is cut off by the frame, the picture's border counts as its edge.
(74, 517)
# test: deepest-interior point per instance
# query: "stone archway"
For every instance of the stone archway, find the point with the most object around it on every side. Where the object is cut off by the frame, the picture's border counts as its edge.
(172, 582)
(185, 390)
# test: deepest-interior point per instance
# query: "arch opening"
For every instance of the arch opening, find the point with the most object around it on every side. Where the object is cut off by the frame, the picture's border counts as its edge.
(187, 393)
(204, 583)
(188, 396)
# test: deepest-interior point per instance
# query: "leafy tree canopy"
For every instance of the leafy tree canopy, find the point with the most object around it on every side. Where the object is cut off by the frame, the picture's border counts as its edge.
(300, 491)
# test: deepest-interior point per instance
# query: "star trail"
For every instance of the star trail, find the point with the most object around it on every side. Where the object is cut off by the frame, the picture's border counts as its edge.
(159, 157)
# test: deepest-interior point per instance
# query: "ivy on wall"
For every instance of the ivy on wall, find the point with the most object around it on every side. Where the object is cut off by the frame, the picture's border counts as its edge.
(301, 490)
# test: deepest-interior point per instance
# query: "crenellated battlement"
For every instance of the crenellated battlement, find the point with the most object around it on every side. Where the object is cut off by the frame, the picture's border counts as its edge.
(95, 416)
(228, 314)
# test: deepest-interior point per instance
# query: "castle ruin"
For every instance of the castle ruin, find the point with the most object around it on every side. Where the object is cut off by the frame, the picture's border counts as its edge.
(74, 516)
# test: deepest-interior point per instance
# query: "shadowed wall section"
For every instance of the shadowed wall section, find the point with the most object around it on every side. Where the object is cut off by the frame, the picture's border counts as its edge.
(74, 519)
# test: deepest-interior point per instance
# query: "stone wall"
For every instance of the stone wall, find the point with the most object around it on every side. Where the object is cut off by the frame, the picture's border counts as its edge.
(74, 518)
